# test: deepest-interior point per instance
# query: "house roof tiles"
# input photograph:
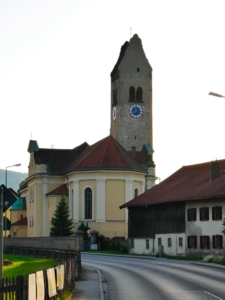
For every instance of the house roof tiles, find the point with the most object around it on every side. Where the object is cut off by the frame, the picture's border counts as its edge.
(22, 221)
(60, 190)
(186, 184)
(106, 154)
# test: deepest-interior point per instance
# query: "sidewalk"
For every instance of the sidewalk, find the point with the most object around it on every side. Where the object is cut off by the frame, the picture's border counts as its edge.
(90, 287)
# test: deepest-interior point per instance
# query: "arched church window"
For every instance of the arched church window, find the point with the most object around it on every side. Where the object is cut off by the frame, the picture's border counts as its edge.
(136, 192)
(88, 203)
(132, 94)
(139, 94)
(115, 96)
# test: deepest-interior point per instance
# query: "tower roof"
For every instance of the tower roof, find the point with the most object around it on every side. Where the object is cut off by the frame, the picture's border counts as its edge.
(20, 204)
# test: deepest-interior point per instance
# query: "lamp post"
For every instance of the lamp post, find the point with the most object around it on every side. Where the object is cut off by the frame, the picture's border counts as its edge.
(216, 95)
(6, 202)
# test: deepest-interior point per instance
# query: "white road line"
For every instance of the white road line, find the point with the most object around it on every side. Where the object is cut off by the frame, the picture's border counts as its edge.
(213, 295)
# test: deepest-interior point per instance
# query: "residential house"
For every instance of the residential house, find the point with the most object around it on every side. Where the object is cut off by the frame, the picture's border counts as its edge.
(183, 213)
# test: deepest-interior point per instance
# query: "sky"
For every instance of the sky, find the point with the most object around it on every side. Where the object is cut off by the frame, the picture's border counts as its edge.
(55, 62)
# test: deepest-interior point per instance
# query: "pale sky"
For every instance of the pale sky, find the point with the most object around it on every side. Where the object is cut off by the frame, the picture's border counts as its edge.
(55, 62)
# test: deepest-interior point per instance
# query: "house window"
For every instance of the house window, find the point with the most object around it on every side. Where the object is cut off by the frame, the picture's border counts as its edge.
(88, 203)
(180, 242)
(191, 214)
(136, 192)
(192, 241)
(139, 94)
(147, 244)
(169, 242)
(204, 242)
(132, 243)
(204, 214)
(217, 213)
(178, 212)
(132, 94)
(159, 241)
(217, 241)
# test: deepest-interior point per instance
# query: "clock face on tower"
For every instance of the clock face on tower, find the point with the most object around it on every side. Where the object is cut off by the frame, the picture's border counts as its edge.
(136, 111)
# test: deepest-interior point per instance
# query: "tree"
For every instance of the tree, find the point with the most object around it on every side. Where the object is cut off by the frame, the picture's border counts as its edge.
(62, 225)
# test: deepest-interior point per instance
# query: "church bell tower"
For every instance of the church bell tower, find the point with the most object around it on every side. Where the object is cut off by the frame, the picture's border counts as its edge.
(131, 97)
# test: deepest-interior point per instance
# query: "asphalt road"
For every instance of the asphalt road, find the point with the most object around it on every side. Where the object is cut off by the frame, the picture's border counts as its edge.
(126, 278)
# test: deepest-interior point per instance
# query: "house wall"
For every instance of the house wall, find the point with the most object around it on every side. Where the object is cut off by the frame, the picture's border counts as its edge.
(204, 228)
(139, 245)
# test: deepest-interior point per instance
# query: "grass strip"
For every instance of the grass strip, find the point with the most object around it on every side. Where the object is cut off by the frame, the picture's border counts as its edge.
(24, 265)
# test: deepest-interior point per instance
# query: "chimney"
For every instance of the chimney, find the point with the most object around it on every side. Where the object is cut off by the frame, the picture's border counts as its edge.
(214, 170)
(133, 152)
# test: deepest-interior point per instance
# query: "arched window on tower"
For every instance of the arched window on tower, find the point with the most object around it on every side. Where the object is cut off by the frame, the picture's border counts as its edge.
(139, 94)
(88, 203)
(132, 94)
(114, 96)
(136, 192)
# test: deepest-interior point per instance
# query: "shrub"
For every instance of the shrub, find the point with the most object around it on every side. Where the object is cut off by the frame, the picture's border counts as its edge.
(123, 249)
(222, 260)
(208, 259)
(217, 259)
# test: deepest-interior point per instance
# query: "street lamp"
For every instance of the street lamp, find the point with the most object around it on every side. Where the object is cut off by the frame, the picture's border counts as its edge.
(216, 95)
(7, 202)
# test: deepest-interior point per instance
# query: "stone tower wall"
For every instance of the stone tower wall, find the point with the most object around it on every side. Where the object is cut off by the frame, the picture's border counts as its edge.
(134, 71)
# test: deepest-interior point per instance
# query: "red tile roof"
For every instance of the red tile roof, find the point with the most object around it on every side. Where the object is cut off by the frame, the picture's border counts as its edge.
(60, 190)
(106, 154)
(188, 183)
(22, 221)
(58, 160)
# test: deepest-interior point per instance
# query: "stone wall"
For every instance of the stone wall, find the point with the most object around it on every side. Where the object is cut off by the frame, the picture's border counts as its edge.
(59, 243)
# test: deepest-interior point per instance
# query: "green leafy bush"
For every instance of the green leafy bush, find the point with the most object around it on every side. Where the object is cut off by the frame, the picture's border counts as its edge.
(123, 249)
(217, 259)
(208, 259)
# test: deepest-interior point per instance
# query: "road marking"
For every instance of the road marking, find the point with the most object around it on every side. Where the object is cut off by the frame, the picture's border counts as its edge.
(213, 295)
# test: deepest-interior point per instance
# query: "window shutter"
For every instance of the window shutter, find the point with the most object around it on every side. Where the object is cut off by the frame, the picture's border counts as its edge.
(201, 242)
(213, 213)
(220, 212)
(189, 241)
(195, 239)
(194, 214)
(207, 242)
(214, 241)
(221, 242)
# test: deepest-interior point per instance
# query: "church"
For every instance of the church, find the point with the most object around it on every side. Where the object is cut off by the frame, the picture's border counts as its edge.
(97, 179)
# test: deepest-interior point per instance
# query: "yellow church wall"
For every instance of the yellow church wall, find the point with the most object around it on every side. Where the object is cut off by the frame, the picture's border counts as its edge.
(115, 196)
(19, 231)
